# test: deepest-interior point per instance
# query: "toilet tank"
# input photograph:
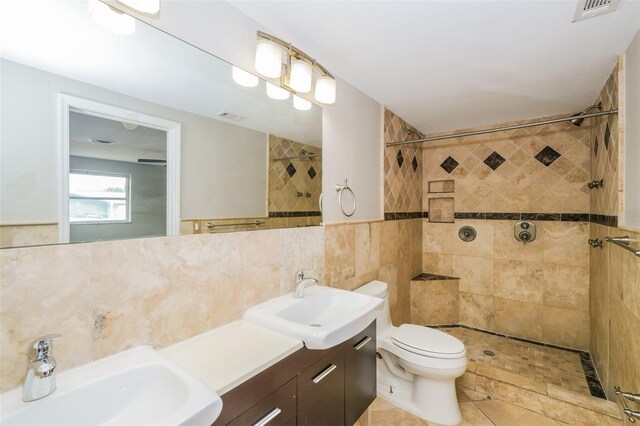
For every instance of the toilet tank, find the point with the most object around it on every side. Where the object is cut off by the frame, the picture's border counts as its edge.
(379, 289)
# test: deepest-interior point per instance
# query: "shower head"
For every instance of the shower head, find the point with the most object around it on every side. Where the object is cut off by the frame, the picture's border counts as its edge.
(577, 121)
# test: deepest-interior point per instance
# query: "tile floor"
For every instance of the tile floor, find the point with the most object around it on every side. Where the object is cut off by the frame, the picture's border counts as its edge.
(476, 413)
(540, 363)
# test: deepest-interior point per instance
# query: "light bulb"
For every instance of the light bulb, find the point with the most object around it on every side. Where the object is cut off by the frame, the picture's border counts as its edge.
(301, 104)
(277, 93)
(325, 90)
(300, 77)
(145, 6)
(268, 59)
(110, 18)
(244, 78)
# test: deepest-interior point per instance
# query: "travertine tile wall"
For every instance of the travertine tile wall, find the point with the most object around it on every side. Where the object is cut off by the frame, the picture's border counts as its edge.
(604, 151)
(389, 251)
(615, 273)
(538, 169)
(106, 297)
(28, 235)
(538, 291)
(288, 179)
(402, 167)
(615, 312)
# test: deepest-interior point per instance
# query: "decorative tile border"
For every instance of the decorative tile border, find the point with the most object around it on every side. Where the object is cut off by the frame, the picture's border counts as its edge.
(590, 374)
(295, 214)
(554, 217)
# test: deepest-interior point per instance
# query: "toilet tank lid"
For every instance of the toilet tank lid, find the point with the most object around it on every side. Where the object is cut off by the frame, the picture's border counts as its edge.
(374, 288)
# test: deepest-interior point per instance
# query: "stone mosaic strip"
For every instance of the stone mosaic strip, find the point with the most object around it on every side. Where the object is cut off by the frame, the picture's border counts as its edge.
(601, 219)
(557, 217)
(432, 277)
(295, 214)
(590, 373)
(405, 215)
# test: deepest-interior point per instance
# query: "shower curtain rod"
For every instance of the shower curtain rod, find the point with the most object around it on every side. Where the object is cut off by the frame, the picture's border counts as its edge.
(502, 129)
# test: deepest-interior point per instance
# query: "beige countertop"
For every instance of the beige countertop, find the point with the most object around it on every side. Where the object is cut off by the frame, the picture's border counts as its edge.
(227, 356)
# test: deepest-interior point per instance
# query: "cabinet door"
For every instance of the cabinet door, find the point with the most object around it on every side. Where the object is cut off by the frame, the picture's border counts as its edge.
(321, 391)
(360, 373)
(277, 409)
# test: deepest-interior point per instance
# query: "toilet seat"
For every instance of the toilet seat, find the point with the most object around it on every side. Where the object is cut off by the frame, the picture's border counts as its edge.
(428, 342)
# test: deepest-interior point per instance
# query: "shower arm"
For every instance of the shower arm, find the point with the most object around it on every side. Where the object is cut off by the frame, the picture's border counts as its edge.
(502, 129)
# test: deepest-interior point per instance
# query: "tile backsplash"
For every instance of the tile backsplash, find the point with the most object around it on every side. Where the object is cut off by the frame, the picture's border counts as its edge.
(106, 297)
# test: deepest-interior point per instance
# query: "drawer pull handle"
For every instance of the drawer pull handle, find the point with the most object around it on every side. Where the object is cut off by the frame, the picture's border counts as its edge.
(324, 374)
(362, 343)
(270, 416)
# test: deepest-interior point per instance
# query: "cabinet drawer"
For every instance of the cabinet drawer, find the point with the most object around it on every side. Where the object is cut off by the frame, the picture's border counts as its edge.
(321, 391)
(277, 409)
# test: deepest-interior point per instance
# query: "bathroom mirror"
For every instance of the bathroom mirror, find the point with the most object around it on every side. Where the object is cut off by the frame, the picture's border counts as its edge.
(135, 133)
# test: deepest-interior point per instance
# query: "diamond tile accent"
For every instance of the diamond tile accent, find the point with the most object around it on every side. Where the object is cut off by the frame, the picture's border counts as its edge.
(291, 170)
(402, 185)
(449, 164)
(547, 156)
(414, 164)
(607, 137)
(311, 172)
(399, 158)
(287, 179)
(494, 160)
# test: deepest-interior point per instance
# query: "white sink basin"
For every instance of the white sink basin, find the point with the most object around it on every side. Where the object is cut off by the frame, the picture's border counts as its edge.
(134, 387)
(323, 318)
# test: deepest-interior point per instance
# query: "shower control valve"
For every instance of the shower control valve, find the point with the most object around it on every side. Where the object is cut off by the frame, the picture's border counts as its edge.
(525, 231)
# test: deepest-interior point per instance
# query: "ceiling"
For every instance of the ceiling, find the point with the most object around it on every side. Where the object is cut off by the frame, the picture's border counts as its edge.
(128, 144)
(447, 65)
(149, 65)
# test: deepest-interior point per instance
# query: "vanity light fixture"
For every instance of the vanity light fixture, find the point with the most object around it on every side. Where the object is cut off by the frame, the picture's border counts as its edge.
(110, 18)
(276, 92)
(301, 104)
(145, 6)
(301, 75)
(296, 72)
(268, 59)
(244, 78)
(325, 90)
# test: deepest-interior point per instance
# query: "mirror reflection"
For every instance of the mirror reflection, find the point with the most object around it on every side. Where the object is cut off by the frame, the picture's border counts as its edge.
(112, 135)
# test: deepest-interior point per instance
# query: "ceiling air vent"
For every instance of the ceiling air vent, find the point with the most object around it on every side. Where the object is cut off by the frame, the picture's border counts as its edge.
(591, 8)
(230, 116)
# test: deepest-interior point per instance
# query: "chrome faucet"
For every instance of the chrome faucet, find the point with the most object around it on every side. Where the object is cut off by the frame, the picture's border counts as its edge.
(302, 282)
(39, 380)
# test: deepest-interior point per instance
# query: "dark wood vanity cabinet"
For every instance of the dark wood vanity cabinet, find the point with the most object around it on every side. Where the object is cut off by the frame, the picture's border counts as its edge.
(331, 387)
(360, 385)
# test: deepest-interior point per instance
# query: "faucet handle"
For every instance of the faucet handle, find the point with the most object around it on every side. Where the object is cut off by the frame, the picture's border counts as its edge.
(41, 347)
(300, 274)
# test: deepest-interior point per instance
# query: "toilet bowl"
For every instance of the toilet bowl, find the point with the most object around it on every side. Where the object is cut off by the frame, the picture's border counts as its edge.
(417, 366)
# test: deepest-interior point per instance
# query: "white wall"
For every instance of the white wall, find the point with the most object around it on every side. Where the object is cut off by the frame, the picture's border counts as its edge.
(215, 174)
(632, 135)
(352, 129)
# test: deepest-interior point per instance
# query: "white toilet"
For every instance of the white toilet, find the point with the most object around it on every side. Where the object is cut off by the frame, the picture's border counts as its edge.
(419, 365)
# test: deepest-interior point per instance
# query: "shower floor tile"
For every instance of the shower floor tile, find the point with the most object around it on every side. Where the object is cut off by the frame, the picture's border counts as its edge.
(544, 364)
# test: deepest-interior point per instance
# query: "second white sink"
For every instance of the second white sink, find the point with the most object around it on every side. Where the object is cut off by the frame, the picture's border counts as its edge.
(323, 318)
(134, 387)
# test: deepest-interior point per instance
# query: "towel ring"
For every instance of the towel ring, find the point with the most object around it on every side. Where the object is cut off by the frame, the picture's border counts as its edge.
(340, 189)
